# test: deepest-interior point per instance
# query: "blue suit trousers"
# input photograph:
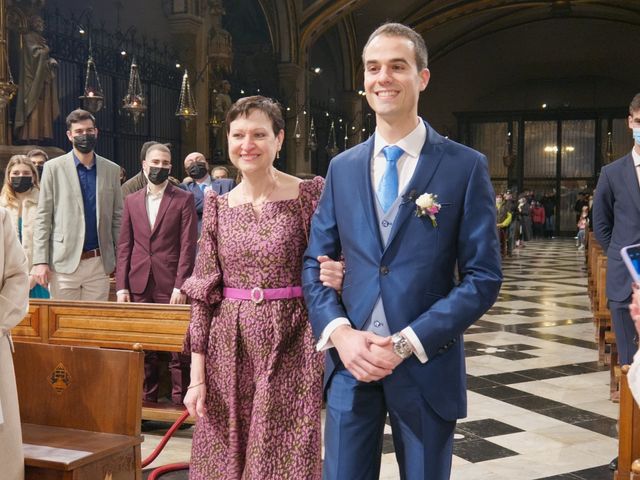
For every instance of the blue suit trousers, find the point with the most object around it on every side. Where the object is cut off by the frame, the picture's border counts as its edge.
(356, 415)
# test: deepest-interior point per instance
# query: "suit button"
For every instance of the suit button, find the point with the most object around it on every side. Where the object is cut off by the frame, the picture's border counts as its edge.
(384, 270)
(151, 254)
(376, 323)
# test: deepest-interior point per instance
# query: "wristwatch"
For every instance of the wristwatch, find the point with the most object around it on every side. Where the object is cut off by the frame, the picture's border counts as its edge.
(401, 346)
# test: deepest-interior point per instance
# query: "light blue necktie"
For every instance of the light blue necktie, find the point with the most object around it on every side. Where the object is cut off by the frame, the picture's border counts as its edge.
(388, 187)
(202, 187)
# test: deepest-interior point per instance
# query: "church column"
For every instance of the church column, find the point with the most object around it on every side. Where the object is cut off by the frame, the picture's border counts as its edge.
(7, 87)
(293, 92)
(187, 28)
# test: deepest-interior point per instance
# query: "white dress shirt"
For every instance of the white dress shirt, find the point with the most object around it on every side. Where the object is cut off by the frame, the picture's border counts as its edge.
(636, 162)
(152, 202)
(412, 145)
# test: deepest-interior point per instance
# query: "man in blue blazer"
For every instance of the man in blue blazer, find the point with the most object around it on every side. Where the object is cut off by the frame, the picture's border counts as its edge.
(198, 169)
(616, 224)
(406, 209)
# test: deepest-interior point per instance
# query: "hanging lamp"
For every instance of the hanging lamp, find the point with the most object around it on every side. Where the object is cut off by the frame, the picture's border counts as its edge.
(93, 97)
(134, 102)
(186, 105)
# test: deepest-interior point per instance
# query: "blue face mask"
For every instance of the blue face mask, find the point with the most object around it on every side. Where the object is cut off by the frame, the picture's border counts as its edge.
(636, 135)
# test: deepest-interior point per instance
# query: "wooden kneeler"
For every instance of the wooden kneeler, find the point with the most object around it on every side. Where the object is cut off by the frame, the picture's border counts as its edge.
(80, 410)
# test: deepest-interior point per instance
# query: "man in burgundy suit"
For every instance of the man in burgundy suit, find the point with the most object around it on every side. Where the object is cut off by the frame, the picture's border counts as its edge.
(156, 254)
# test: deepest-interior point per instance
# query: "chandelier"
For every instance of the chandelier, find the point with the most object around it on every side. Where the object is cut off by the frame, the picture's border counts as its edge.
(8, 88)
(134, 102)
(186, 105)
(312, 142)
(93, 98)
(332, 144)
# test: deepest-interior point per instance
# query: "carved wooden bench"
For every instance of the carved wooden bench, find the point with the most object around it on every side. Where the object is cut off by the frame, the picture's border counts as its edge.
(80, 411)
(109, 325)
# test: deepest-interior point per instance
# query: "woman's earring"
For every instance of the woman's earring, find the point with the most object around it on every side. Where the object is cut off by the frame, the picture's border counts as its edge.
(278, 155)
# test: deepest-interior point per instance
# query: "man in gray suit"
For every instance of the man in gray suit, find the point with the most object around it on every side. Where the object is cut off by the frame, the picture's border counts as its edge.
(78, 220)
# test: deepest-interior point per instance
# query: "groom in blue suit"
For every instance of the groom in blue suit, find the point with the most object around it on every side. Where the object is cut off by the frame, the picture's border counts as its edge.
(413, 215)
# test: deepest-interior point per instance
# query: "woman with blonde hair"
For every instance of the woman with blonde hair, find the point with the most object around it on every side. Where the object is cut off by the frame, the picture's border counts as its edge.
(19, 196)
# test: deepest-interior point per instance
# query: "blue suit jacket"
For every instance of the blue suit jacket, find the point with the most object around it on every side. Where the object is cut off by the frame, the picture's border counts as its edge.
(220, 186)
(616, 221)
(415, 273)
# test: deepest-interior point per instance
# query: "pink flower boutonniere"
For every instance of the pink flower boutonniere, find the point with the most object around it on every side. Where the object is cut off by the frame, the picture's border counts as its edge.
(428, 206)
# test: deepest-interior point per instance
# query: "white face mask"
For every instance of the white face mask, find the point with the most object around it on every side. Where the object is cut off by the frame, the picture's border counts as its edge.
(636, 135)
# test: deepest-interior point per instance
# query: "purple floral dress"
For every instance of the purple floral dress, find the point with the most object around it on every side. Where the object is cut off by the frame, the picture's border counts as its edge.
(263, 375)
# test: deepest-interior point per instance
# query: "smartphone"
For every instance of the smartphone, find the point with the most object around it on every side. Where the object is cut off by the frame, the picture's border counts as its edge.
(631, 257)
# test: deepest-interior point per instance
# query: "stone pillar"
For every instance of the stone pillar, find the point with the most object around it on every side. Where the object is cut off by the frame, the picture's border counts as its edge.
(187, 30)
(293, 92)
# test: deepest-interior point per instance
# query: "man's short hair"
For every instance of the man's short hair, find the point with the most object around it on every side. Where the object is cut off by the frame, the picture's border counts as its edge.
(400, 30)
(157, 146)
(220, 167)
(634, 106)
(36, 152)
(79, 115)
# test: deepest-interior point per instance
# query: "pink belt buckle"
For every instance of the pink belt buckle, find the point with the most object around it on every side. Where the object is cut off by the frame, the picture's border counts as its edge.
(257, 295)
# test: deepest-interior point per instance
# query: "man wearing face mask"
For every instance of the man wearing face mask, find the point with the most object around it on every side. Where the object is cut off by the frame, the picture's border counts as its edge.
(78, 217)
(616, 224)
(196, 166)
(616, 218)
(156, 254)
(38, 157)
(139, 181)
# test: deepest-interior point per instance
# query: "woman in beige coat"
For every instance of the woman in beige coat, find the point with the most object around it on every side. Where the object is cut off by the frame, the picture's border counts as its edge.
(19, 196)
(14, 300)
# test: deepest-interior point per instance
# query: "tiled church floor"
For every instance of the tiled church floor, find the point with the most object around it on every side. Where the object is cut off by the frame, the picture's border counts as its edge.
(538, 401)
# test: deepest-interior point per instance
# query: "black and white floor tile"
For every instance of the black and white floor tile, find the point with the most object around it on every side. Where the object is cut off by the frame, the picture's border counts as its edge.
(538, 401)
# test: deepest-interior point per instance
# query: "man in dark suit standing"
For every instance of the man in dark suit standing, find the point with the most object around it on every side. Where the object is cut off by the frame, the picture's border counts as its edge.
(616, 219)
(198, 169)
(156, 254)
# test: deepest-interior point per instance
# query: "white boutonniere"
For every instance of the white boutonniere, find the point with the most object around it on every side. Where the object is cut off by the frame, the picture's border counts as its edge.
(427, 206)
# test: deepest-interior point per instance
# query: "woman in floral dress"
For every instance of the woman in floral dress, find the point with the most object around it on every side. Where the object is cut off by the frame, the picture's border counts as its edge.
(256, 378)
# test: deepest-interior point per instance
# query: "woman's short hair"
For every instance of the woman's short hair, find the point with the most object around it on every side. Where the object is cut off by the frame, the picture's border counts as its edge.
(244, 106)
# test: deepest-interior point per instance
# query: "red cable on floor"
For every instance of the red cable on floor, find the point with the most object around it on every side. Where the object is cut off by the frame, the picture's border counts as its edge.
(171, 467)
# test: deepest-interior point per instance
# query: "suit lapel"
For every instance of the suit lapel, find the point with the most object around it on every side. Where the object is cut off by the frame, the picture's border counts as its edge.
(631, 179)
(100, 185)
(430, 158)
(69, 166)
(164, 205)
(139, 207)
(363, 179)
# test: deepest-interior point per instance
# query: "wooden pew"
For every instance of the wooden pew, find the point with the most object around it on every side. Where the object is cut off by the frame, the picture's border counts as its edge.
(629, 433)
(109, 325)
(80, 411)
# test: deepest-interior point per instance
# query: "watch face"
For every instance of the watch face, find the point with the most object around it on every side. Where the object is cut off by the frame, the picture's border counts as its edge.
(401, 347)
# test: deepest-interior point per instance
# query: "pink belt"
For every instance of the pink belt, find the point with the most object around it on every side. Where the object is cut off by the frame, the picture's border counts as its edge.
(258, 295)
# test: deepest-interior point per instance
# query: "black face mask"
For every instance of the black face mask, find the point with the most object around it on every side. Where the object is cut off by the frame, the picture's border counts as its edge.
(85, 143)
(197, 171)
(158, 175)
(21, 184)
(40, 169)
